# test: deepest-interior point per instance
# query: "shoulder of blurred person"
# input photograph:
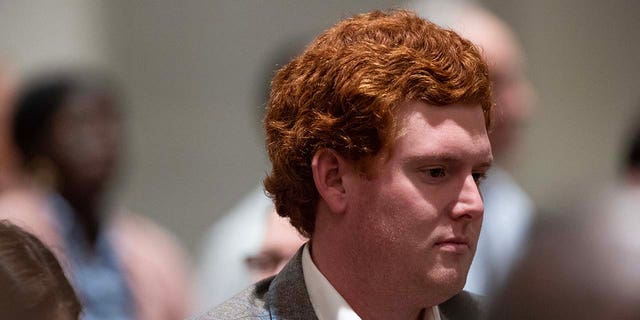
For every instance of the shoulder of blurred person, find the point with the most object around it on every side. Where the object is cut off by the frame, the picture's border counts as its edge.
(585, 255)
(154, 263)
(27, 207)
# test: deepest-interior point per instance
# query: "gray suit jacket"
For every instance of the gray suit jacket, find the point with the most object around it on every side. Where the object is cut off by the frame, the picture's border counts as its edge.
(285, 297)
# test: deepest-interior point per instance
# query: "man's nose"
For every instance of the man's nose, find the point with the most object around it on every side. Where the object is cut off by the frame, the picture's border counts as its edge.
(468, 204)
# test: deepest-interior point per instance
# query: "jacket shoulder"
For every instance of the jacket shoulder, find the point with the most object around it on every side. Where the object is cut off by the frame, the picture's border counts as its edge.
(248, 304)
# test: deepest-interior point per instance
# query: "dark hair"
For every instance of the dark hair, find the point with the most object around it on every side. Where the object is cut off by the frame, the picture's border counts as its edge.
(41, 97)
(343, 92)
(632, 156)
(32, 283)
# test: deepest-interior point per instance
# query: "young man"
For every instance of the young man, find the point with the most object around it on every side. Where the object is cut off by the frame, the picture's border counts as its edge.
(377, 135)
(509, 212)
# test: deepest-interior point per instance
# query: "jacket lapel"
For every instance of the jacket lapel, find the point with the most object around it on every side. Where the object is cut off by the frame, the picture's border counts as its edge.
(287, 297)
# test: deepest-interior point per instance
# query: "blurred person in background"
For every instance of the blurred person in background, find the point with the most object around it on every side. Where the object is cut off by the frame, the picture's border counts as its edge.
(508, 209)
(250, 243)
(34, 286)
(8, 171)
(580, 264)
(68, 127)
(238, 234)
(583, 263)
(280, 243)
(232, 253)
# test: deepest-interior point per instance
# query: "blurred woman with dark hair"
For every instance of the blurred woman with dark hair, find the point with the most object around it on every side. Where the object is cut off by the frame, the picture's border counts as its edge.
(33, 283)
(68, 130)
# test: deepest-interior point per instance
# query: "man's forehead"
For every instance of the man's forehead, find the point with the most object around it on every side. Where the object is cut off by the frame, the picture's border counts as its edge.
(446, 133)
(467, 116)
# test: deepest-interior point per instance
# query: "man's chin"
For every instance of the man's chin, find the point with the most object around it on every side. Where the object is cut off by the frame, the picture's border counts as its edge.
(451, 280)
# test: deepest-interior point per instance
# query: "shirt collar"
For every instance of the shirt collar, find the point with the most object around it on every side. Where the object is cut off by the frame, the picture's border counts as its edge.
(327, 303)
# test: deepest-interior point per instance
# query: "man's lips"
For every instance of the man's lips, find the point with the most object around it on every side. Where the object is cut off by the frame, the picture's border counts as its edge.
(453, 244)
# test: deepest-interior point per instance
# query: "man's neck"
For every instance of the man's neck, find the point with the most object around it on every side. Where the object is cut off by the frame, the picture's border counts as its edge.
(370, 293)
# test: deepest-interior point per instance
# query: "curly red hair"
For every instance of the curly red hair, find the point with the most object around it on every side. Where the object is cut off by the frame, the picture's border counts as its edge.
(343, 91)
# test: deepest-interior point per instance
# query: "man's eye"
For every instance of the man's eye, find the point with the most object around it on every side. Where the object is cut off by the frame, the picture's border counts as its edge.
(478, 177)
(435, 172)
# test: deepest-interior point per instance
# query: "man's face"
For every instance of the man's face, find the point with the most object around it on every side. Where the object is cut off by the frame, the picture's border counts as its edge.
(418, 216)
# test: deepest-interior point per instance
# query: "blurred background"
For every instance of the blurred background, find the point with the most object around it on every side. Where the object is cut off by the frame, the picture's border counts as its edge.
(193, 76)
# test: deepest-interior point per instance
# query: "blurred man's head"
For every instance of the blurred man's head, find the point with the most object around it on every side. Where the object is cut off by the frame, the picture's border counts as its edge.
(514, 94)
(280, 243)
(71, 122)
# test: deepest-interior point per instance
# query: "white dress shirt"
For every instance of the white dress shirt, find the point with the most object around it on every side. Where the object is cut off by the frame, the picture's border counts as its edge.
(327, 303)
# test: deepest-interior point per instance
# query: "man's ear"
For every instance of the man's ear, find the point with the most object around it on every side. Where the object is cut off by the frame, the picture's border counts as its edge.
(329, 168)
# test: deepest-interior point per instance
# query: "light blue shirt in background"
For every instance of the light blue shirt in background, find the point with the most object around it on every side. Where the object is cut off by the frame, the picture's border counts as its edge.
(96, 275)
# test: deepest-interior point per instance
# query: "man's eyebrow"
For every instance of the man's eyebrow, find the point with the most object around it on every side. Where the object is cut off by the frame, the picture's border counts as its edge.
(433, 158)
(486, 165)
(445, 158)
